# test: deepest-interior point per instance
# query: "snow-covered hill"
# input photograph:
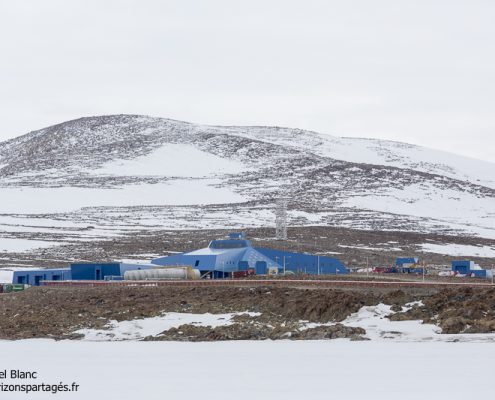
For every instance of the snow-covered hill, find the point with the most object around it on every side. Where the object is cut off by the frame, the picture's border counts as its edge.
(101, 177)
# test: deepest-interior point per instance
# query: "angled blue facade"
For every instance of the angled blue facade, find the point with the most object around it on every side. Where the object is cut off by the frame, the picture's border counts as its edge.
(224, 256)
(470, 268)
(221, 258)
(34, 277)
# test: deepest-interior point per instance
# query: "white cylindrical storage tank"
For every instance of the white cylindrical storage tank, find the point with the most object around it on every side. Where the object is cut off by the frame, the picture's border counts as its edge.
(162, 273)
(193, 274)
(131, 275)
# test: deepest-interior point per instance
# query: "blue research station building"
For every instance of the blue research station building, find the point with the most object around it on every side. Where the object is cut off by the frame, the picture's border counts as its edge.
(219, 260)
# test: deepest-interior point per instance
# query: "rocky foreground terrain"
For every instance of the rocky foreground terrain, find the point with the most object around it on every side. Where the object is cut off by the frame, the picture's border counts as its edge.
(59, 312)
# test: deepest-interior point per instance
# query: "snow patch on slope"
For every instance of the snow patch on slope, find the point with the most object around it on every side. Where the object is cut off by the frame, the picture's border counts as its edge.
(175, 160)
(379, 152)
(402, 155)
(427, 201)
(453, 249)
(22, 245)
(31, 200)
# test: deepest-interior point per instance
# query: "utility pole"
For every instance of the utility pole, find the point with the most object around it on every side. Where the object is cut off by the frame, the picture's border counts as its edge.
(367, 268)
(318, 265)
(284, 262)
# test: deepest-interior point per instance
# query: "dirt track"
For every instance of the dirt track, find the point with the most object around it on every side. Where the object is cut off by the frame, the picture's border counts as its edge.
(298, 283)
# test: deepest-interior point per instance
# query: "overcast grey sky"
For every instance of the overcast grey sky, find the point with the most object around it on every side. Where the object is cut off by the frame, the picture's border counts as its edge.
(408, 70)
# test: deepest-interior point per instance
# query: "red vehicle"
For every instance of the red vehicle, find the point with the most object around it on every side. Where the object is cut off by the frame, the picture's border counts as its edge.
(243, 274)
(384, 270)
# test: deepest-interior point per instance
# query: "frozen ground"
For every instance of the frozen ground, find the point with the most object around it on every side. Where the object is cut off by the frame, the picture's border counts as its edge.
(256, 370)
(379, 328)
(140, 328)
(372, 318)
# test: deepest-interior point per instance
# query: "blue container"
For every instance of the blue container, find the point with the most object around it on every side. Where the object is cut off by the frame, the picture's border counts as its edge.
(479, 273)
(260, 267)
(93, 271)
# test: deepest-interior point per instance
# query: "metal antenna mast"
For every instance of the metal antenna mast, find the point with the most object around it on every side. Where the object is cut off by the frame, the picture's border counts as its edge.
(281, 219)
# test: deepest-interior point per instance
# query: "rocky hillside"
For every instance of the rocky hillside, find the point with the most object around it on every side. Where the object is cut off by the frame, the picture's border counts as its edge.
(101, 178)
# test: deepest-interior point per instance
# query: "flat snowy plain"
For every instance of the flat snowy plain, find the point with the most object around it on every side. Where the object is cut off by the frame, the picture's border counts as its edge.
(256, 370)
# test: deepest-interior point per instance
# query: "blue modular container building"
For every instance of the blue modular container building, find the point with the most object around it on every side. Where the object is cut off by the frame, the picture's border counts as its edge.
(470, 268)
(462, 267)
(77, 272)
(103, 271)
(34, 277)
(479, 273)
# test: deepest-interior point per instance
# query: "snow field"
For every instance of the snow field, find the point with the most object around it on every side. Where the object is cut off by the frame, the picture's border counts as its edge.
(249, 370)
